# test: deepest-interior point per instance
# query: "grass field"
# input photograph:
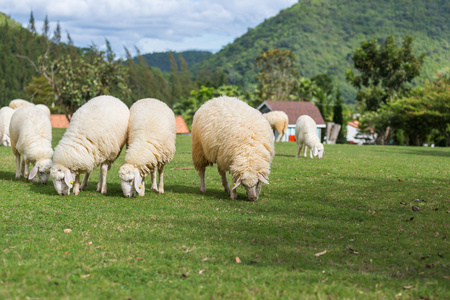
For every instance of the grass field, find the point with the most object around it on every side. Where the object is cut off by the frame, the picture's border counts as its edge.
(356, 203)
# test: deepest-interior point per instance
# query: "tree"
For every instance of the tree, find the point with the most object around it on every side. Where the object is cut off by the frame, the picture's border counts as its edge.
(277, 80)
(338, 117)
(46, 27)
(31, 25)
(384, 71)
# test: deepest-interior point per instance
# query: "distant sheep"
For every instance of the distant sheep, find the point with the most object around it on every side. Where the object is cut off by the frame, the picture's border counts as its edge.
(95, 137)
(306, 135)
(5, 118)
(236, 137)
(31, 137)
(151, 145)
(16, 103)
(279, 121)
(44, 108)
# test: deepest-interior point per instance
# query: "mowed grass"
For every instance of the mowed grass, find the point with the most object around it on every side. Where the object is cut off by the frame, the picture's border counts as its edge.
(356, 203)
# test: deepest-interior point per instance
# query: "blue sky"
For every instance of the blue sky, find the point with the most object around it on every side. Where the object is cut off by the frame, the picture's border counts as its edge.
(149, 25)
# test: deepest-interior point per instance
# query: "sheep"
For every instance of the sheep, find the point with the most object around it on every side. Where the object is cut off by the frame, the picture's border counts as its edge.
(279, 121)
(305, 134)
(44, 108)
(95, 137)
(235, 136)
(5, 118)
(151, 145)
(16, 103)
(31, 137)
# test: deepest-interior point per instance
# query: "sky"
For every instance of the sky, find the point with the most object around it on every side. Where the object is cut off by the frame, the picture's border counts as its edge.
(148, 25)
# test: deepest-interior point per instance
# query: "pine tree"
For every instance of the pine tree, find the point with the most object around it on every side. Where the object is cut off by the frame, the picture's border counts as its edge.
(338, 117)
(31, 26)
(46, 27)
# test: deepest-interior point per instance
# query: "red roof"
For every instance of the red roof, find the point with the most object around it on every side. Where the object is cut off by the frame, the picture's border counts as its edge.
(294, 109)
(60, 121)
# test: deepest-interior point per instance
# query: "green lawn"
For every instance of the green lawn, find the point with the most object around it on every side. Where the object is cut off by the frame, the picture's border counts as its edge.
(355, 203)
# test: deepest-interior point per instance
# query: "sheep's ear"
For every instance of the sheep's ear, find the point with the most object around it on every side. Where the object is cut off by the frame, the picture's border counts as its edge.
(137, 181)
(33, 173)
(315, 151)
(262, 179)
(68, 179)
(238, 182)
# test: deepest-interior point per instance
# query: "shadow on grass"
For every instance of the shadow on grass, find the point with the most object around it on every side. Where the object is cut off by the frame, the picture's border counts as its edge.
(417, 151)
(7, 175)
(216, 194)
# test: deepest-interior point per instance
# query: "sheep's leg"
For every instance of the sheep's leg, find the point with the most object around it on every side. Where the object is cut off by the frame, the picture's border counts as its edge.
(22, 166)
(17, 166)
(201, 174)
(161, 179)
(154, 184)
(99, 184)
(103, 172)
(299, 149)
(26, 169)
(306, 150)
(310, 153)
(142, 192)
(76, 185)
(280, 135)
(234, 191)
(224, 180)
(85, 181)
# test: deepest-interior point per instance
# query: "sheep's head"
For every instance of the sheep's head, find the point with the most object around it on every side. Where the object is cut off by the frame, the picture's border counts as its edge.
(130, 180)
(42, 168)
(62, 179)
(252, 185)
(318, 151)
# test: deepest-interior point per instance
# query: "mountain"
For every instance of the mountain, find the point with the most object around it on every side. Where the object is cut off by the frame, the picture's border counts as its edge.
(161, 59)
(324, 33)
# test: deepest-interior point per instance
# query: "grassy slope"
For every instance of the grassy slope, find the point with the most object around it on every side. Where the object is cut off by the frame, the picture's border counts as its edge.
(184, 243)
(324, 33)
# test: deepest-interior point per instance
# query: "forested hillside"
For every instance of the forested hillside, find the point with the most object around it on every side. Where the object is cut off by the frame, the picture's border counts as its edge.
(324, 33)
(161, 59)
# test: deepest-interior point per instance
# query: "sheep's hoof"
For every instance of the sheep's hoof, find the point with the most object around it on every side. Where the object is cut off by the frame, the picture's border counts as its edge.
(154, 189)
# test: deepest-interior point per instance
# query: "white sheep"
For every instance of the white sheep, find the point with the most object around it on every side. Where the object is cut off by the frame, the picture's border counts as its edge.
(306, 135)
(279, 121)
(5, 118)
(95, 137)
(16, 103)
(151, 145)
(31, 137)
(44, 108)
(236, 137)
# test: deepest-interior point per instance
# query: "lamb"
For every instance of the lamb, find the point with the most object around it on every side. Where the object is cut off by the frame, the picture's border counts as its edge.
(235, 136)
(5, 118)
(279, 121)
(305, 134)
(151, 145)
(95, 137)
(31, 137)
(16, 103)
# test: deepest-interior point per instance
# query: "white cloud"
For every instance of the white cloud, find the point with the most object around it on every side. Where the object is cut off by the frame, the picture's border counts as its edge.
(151, 25)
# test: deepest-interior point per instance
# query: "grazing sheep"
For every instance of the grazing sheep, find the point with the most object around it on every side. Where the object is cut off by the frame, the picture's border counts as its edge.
(236, 137)
(16, 103)
(306, 135)
(279, 121)
(5, 118)
(151, 145)
(44, 108)
(31, 137)
(94, 137)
